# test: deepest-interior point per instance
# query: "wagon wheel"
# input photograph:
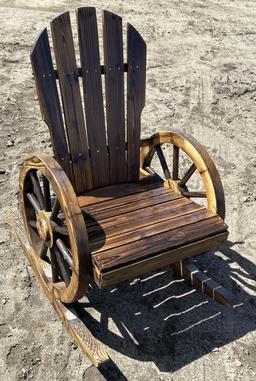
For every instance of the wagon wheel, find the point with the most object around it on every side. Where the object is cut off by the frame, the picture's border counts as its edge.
(55, 227)
(201, 163)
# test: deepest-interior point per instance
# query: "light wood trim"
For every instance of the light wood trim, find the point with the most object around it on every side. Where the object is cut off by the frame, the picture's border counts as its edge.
(74, 218)
(201, 159)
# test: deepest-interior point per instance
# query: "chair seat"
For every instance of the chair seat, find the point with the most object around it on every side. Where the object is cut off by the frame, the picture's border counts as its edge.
(139, 227)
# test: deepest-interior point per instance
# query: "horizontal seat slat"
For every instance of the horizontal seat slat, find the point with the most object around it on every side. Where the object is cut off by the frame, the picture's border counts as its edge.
(109, 204)
(147, 231)
(117, 229)
(168, 257)
(147, 247)
(113, 191)
(132, 206)
(135, 215)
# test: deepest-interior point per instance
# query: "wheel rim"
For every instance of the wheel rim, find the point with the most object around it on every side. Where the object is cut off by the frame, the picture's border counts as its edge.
(50, 222)
(201, 163)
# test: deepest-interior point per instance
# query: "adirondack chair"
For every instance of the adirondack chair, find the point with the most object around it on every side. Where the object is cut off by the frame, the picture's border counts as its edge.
(97, 210)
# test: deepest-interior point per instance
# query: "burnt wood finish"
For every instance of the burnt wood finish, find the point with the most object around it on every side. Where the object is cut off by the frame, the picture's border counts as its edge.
(187, 269)
(67, 313)
(71, 98)
(146, 247)
(130, 271)
(44, 228)
(202, 163)
(93, 99)
(136, 79)
(114, 88)
(99, 209)
(48, 97)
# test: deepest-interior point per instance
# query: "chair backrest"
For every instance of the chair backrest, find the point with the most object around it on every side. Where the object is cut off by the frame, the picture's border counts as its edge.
(91, 154)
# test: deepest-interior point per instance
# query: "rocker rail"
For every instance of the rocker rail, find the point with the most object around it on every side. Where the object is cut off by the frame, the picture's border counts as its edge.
(75, 327)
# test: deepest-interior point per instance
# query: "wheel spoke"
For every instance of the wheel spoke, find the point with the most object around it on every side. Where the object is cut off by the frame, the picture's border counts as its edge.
(55, 209)
(65, 252)
(37, 189)
(187, 175)
(43, 251)
(194, 194)
(175, 163)
(32, 223)
(47, 195)
(61, 229)
(34, 202)
(55, 266)
(163, 162)
(62, 265)
(152, 172)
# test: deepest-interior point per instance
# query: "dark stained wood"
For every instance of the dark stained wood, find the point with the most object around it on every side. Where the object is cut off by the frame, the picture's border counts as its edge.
(194, 194)
(34, 202)
(93, 100)
(54, 266)
(71, 99)
(114, 191)
(37, 189)
(130, 271)
(204, 283)
(175, 163)
(187, 175)
(147, 247)
(163, 162)
(130, 198)
(132, 206)
(76, 234)
(114, 89)
(48, 98)
(102, 70)
(47, 195)
(178, 208)
(155, 227)
(135, 215)
(136, 83)
(55, 209)
(65, 252)
(64, 272)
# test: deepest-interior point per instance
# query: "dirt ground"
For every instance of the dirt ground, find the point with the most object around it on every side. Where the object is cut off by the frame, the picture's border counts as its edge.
(201, 77)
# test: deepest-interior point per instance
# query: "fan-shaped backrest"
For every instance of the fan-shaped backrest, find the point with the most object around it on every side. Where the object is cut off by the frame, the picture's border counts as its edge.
(91, 154)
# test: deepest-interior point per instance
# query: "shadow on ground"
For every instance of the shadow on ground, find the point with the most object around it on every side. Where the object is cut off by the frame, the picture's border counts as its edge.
(161, 318)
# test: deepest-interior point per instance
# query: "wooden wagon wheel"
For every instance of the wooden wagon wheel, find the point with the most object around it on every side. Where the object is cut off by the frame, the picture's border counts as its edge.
(55, 226)
(201, 163)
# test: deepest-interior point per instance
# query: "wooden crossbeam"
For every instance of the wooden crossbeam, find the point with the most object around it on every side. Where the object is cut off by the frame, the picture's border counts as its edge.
(202, 282)
(102, 70)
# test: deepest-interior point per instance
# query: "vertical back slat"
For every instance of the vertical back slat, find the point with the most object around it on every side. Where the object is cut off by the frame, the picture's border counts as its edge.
(71, 98)
(93, 99)
(114, 88)
(47, 92)
(136, 82)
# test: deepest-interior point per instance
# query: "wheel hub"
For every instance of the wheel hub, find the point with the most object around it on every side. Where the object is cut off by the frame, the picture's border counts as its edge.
(44, 227)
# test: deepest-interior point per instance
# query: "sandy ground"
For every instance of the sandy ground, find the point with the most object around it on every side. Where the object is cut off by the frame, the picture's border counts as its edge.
(202, 78)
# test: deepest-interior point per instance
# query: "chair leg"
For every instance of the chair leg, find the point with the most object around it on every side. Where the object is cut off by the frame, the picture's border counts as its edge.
(66, 312)
(202, 282)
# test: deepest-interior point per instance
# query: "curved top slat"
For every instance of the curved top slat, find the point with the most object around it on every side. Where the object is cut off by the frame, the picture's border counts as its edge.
(136, 85)
(47, 92)
(93, 99)
(71, 98)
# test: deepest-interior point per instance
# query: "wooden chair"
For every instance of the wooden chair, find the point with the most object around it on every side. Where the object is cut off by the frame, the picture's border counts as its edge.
(97, 210)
